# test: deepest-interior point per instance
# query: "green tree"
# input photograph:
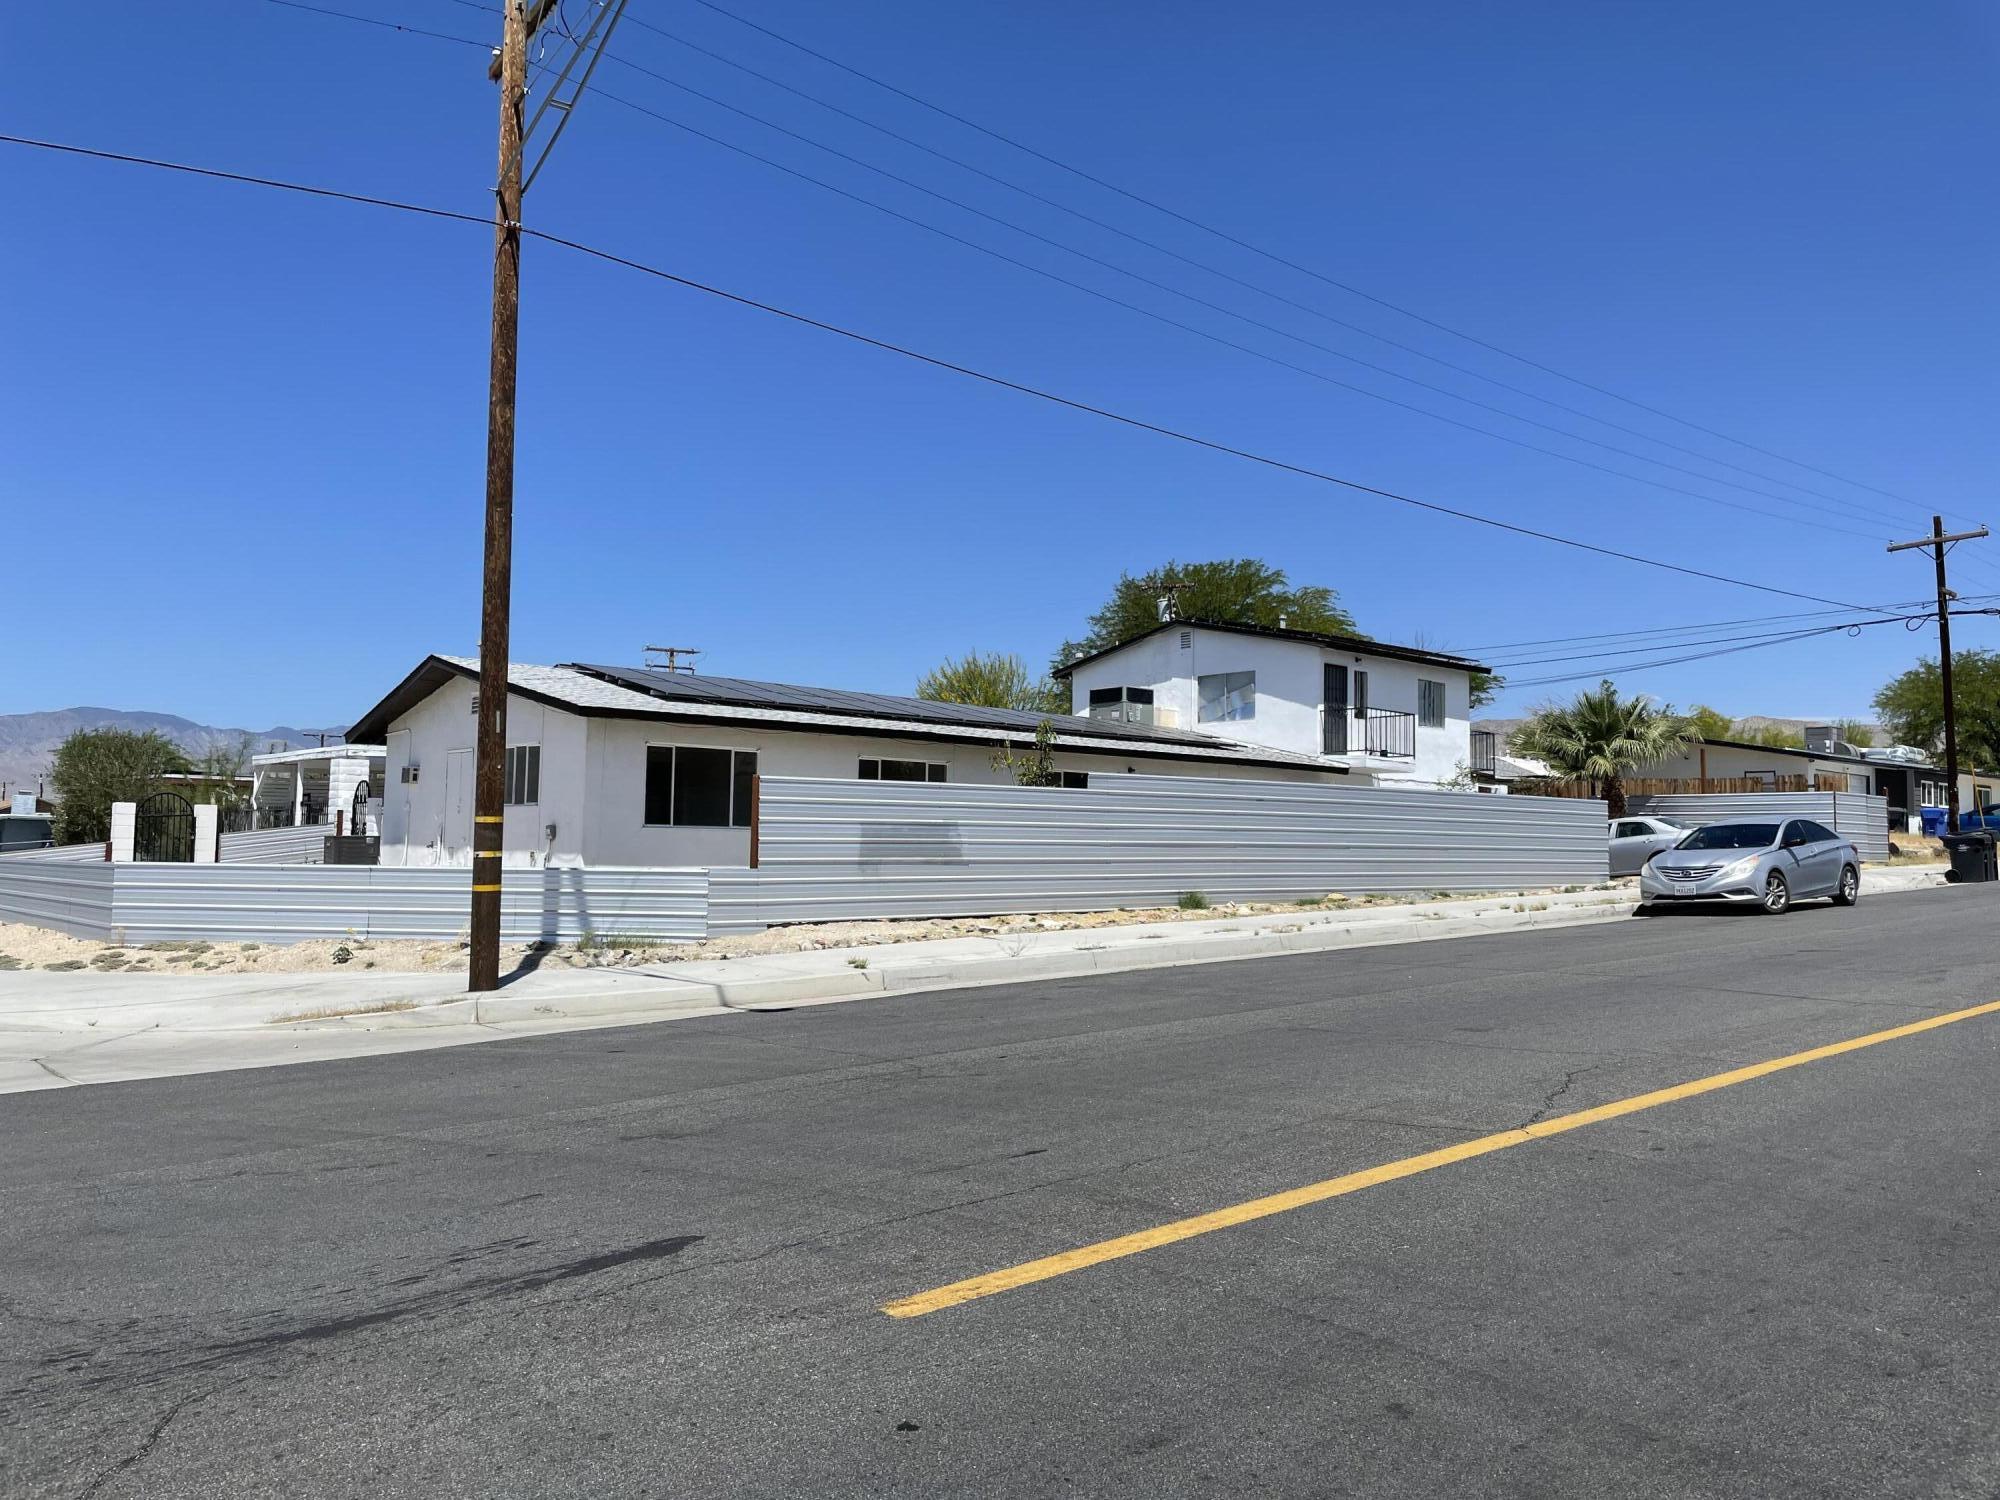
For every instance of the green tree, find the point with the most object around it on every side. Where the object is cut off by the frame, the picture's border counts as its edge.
(1856, 733)
(1601, 737)
(1911, 706)
(1233, 591)
(220, 768)
(94, 768)
(1705, 723)
(1034, 766)
(1486, 687)
(992, 680)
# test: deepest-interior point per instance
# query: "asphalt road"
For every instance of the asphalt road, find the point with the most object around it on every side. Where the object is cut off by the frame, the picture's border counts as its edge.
(651, 1261)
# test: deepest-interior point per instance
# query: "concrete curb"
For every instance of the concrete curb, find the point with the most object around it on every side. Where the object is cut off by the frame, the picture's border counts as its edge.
(818, 977)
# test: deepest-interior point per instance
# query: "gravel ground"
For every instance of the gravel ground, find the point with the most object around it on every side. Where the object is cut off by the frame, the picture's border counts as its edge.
(25, 947)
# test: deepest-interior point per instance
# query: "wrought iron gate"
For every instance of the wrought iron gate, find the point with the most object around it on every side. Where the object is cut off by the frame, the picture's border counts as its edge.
(163, 831)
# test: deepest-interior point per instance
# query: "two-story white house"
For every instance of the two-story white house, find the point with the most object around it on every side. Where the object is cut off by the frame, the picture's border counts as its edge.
(1396, 715)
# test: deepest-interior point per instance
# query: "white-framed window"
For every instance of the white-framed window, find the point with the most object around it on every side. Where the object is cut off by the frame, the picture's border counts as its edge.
(693, 786)
(1077, 779)
(876, 768)
(1223, 696)
(1430, 703)
(524, 775)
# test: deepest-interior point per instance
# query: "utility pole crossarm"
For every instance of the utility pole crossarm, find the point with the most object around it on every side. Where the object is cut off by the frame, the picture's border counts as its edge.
(1932, 541)
(1937, 543)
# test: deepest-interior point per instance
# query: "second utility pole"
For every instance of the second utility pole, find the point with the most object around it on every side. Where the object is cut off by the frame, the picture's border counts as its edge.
(1936, 543)
(490, 730)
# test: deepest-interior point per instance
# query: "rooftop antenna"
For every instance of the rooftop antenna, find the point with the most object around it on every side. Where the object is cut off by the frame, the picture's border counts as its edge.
(672, 658)
(1170, 601)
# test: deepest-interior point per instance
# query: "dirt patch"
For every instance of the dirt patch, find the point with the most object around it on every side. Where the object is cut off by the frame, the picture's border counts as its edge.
(41, 948)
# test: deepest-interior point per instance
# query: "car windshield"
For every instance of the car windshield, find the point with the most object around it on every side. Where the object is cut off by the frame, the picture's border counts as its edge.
(1731, 836)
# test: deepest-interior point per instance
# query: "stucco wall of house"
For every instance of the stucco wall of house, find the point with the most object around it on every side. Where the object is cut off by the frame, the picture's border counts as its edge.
(593, 782)
(616, 832)
(429, 822)
(1290, 683)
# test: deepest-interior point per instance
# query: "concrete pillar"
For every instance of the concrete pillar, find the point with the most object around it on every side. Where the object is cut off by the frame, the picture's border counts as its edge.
(124, 831)
(207, 825)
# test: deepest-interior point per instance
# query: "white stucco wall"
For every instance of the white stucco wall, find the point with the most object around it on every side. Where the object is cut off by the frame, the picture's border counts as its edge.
(593, 781)
(1290, 682)
(430, 822)
(616, 832)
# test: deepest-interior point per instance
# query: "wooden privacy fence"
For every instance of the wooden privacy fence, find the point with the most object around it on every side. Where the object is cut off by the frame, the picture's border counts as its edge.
(1673, 786)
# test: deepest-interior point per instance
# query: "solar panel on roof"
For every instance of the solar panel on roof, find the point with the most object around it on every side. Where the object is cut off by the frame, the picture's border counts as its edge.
(743, 692)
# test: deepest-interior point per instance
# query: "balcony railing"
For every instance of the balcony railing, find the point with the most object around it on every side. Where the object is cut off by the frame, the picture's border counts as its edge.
(1483, 750)
(1387, 733)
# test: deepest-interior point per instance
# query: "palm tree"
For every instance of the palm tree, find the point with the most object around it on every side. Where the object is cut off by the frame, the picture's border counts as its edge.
(1602, 738)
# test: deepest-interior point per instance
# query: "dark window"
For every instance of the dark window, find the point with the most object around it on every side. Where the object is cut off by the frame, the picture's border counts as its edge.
(659, 784)
(1076, 778)
(695, 787)
(1818, 833)
(1732, 836)
(745, 778)
(1360, 692)
(1630, 831)
(873, 769)
(1430, 703)
(702, 780)
(524, 775)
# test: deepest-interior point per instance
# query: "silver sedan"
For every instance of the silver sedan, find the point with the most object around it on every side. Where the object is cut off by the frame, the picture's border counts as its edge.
(1634, 840)
(1765, 864)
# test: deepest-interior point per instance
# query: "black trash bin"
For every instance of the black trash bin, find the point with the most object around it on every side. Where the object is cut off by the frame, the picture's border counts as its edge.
(1973, 857)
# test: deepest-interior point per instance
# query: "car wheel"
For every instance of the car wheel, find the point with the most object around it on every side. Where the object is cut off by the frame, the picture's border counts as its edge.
(1777, 895)
(1849, 890)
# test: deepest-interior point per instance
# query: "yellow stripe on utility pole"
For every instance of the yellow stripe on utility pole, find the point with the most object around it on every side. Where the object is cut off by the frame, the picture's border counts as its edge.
(1048, 1267)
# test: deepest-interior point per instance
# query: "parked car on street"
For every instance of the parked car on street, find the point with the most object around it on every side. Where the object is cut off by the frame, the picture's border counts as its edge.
(1636, 840)
(1769, 865)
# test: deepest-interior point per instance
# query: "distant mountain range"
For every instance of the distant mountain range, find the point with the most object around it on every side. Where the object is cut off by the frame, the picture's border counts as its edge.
(28, 741)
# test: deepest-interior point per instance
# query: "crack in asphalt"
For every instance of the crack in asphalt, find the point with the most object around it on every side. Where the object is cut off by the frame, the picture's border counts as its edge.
(1549, 1100)
(138, 1455)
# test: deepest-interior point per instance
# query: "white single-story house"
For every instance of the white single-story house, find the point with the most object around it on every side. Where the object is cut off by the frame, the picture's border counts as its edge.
(644, 766)
(330, 784)
(1393, 715)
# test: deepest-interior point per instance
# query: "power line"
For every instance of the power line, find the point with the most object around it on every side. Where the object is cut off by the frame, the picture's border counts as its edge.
(1756, 645)
(1486, 651)
(1212, 270)
(1274, 257)
(935, 362)
(1176, 323)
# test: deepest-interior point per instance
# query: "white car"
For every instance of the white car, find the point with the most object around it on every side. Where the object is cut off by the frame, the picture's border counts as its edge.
(1636, 840)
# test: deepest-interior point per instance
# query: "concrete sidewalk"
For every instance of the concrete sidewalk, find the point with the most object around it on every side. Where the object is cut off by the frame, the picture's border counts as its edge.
(61, 1030)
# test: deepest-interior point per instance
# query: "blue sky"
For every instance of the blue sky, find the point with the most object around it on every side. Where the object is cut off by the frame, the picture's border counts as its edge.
(245, 431)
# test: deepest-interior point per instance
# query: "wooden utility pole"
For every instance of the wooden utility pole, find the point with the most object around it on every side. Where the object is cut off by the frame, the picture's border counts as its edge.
(490, 731)
(1935, 544)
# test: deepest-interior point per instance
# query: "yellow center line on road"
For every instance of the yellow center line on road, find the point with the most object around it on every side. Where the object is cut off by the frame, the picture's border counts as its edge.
(1050, 1266)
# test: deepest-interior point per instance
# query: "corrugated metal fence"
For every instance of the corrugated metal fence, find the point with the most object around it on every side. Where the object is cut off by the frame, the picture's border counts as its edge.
(276, 846)
(837, 849)
(263, 846)
(290, 903)
(1859, 817)
(70, 898)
